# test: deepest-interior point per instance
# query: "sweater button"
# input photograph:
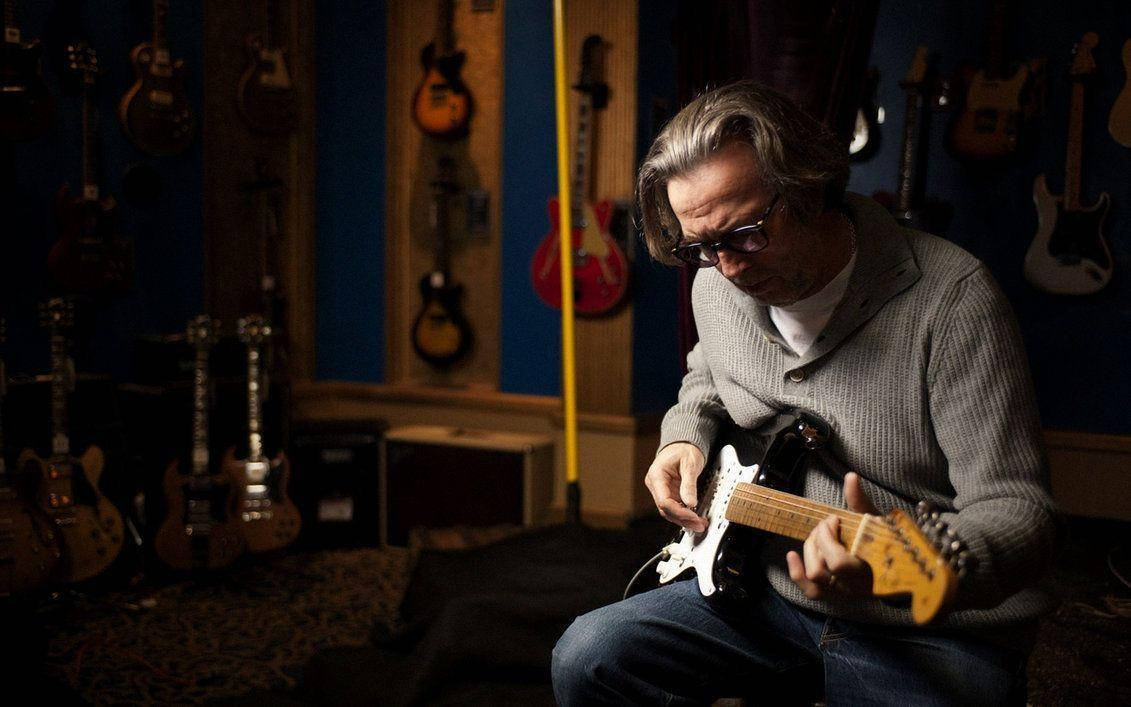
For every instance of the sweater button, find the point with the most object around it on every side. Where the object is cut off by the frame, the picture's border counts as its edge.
(797, 375)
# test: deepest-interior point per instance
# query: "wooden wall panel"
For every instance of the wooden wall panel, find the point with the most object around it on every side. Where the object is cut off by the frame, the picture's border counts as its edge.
(412, 167)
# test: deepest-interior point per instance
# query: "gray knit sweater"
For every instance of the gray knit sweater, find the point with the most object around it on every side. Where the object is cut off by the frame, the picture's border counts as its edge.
(922, 375)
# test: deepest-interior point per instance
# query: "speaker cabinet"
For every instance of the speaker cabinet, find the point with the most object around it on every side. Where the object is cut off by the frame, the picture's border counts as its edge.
(438, 477)
(335, 478)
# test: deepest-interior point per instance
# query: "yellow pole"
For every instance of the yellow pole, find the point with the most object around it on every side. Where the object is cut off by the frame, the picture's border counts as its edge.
(565, 258)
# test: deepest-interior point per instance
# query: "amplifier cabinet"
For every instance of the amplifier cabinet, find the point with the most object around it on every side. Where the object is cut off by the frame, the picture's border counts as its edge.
(439, 477)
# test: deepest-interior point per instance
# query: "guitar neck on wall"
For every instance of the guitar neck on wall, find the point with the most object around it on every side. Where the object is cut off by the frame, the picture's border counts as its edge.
(26, 105)
(155, 111)
(266, 96)
(201, 529)
(89, 526)
(270, 519)
(600, 269)
(1069, 254)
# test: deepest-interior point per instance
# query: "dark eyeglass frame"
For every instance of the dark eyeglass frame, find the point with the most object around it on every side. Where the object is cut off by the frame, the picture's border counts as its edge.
(705, 254)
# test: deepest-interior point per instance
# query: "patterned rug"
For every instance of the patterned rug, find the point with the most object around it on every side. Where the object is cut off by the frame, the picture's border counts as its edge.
(251, 630)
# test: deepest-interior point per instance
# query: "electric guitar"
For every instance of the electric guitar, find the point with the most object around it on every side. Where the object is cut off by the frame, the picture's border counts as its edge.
(270, 519)
(29, 546)
(26, 105)
(902, 557)
(910, 206)
(998, 99)
(90, 256)
(201, 530)
(440, 333)
(442, 105)
(89, 525)
(155, 111)
(266, 96)
(600, 269)
(1119, 122)
(1069, 255)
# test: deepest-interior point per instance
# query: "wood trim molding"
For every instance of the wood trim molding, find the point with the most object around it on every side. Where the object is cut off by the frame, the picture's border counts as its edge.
(1086, 441)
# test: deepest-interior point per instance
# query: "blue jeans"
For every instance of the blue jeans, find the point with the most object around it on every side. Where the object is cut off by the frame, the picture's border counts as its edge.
(670, 646)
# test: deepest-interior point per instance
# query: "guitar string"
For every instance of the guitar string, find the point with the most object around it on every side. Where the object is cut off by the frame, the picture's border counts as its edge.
(812, 512)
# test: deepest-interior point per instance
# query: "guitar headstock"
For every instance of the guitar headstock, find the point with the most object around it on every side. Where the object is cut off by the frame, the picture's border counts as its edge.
(905, 561)
(57, 314)
(253, 329)
(591, 80)
(917, 72)
(202, 331)
(1083, 63)
(83, 60)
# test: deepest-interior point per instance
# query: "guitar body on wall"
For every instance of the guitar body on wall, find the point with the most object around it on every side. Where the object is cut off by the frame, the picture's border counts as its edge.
(266, 97)
(600, 268)
(269, 518)
(155, 111)
(1119, 121)
(88, 524)
(1069, 255)
(26, 105)
(201, 530)
(442, 105)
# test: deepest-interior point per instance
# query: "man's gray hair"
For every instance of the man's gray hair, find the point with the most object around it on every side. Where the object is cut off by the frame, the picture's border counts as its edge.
(796, 156)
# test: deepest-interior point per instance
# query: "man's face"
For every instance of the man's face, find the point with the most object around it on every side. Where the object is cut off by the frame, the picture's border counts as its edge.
(722, 194)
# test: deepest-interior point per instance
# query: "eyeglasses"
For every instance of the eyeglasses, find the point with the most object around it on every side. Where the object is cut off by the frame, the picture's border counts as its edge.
(744, 239)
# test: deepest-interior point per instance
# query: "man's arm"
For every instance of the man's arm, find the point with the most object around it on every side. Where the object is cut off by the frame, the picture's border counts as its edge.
(985, 418)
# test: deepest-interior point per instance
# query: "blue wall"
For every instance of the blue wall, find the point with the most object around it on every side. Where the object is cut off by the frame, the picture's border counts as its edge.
(165, 227)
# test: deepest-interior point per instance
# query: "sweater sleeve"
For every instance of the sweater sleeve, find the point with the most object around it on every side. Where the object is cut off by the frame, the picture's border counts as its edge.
(695, 416)
(985, 419)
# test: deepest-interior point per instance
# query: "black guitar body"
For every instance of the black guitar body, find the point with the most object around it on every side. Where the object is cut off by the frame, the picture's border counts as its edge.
(1076, 236)
(26, 106)
(449, 66)
(440, 334)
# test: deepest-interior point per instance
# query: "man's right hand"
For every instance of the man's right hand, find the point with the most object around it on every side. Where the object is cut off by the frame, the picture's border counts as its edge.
(672, 480)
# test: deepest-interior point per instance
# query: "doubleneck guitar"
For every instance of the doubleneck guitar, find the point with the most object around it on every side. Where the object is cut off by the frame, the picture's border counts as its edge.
(26, 106)
(600, 269)
(739, 498)
(270, 520)
(89, 525)
(155, 111)
(201, 530)
(1069, 255)
(29, 546)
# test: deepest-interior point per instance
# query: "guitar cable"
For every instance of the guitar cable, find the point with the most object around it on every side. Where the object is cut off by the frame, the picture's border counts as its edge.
(655, 559)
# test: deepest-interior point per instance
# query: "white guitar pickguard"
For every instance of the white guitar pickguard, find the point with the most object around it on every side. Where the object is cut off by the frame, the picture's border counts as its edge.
(698, 550)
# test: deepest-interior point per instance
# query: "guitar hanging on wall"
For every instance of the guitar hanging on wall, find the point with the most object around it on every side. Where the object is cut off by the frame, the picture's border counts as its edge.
(26, 105)
(29, 545)
(441, 334)
(155, 111)
(266, 96)
(600, 269)
(270, 520)
(1119, 121)
(909, 204)
(91, 256)
(442, 105)
(89, 525)
(1069, 255)
(202, 529)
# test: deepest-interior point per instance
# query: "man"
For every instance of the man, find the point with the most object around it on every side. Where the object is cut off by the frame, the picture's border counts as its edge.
(816, 299)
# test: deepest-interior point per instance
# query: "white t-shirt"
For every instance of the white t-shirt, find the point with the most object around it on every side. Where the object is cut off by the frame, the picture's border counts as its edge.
(801, 323)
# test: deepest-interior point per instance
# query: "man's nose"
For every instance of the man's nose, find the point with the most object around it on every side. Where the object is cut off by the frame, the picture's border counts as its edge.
(731, 264)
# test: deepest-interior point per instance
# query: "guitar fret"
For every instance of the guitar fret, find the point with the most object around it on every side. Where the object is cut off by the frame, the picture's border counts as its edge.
(786, 514)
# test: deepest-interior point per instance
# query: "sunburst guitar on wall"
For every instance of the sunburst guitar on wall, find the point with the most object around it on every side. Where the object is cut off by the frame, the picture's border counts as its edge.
(155, 111)
(29, 545)
(1119, 121)
(600, 269)
(442, 105)
(202, 529)
(1069, 255)
(89, 525)
(266, 95)
(270, 520)
(26, 106)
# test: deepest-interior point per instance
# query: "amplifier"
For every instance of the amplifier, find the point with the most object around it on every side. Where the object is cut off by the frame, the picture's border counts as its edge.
(439, 477)
(334, 482)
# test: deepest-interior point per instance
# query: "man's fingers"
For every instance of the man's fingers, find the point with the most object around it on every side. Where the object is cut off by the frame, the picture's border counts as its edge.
(855, 497)
(675, 512)
(688, 476)
(797, 574)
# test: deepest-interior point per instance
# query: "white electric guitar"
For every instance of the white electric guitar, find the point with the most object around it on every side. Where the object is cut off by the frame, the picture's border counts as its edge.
(902, 557)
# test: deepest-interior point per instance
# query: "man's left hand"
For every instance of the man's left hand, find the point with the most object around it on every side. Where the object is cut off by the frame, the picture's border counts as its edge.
(828, 569)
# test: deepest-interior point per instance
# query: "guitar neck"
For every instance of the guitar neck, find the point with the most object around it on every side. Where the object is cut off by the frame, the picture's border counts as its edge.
(995, 53)
(200, 413)
(11, 31)
(445, 36)
(89, 138)
(1073, 158)
(580, 184)
(60, 388)
(160, 20)
(254, 410)
(909, 159)
(785, 514)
